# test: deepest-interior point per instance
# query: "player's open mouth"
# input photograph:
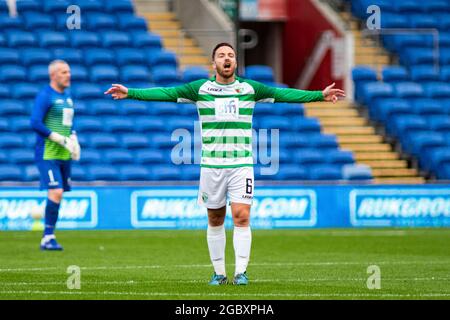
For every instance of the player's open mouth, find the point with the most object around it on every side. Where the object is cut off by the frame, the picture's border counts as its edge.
(227, 65)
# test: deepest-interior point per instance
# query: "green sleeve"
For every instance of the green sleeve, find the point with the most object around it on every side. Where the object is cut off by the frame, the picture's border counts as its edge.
(184, 93)
(263, 92)
(295, 95)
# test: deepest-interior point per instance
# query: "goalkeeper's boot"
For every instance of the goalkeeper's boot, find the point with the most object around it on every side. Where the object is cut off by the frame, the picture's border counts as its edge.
(218, 279)
(241, 279)
(50, 243)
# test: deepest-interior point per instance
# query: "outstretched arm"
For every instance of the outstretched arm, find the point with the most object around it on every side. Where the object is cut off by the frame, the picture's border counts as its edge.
(331, 94)
(118, 92)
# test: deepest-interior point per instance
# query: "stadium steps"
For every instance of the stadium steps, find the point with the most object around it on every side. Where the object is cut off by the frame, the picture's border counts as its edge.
(174, 38)
(354, 133)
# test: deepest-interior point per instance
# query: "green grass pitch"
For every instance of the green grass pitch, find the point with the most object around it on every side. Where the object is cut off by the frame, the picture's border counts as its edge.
(285, 264)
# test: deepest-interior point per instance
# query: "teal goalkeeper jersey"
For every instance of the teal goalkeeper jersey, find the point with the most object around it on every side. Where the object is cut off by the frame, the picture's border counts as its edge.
(225, 113)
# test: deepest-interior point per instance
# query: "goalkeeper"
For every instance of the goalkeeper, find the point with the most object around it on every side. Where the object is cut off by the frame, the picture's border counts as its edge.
(56, 144)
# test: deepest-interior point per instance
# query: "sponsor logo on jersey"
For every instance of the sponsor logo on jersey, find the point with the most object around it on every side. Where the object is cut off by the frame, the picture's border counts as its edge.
(59, 101)
(215, 89)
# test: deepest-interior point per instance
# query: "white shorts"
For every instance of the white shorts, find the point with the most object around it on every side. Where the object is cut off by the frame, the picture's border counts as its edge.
(216, 183)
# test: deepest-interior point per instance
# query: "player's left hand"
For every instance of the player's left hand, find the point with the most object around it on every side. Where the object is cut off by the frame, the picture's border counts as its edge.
(76, 153)
(330, 94)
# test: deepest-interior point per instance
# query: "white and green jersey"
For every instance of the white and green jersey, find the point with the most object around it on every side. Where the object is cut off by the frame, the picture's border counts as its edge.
(225, 113)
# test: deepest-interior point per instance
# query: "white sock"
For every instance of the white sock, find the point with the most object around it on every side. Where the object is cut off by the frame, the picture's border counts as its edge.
(242, 241)
(216, 245)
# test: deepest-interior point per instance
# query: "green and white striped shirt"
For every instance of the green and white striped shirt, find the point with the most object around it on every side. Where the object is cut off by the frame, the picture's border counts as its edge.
(225, 113)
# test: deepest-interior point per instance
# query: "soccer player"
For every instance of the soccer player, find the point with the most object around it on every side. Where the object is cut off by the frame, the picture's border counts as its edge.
(225, 105)
(56, 144)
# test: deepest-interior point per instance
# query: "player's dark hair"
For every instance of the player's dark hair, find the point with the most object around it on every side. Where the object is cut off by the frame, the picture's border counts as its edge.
(222, 44)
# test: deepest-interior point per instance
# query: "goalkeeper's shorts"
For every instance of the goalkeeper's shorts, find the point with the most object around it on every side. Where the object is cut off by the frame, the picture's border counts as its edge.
(54, 174)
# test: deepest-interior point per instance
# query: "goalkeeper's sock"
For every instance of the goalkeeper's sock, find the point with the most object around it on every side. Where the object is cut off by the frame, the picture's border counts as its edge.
(51, 216)
(216, 245)
(242, 241)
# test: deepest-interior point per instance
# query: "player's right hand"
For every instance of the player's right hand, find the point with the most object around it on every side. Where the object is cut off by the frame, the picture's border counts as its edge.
(67, 142)
(118, 91)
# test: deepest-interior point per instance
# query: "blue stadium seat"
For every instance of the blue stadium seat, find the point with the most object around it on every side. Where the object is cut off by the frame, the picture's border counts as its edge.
(30, 57)
(364, 73)
(80, 108)
(370, 92)
(439, 123)
(134, 172)
(420, 143)
(165, 172)
(146, 40)
(96, 56)
(324, 172)
(408, 90)
(190, 172)
(340, 157)
(123, 6)
(149, 124)
(84, 39)
(289, 109)
(102, 107)
(103, 172)
(98, 22)
(131, 22)
(323, 141)
(31, 173)
(134, 141)
(307, 125)
(264, 109)
(393, 20)
(20, 39)
(12, 108)
(90, 156)
(356, 172)
(162, 58)
(289, 140)
(445, 74)
(78, 73)
(118, 124)
(25, 91)
(79, 173)
(87, 124)
(5, 91)
(129, 56)
(437, 90)
(427, 107)
(24, 6)
(259, 73)
(90, 6)
(56, 6)
(443, 20)
(417, 56)
(286, 172)
(115, 39)
(9, 141)
(308, 157)
(195, 73)
(4, 125)
(20, 124)
(436, 158)
(69, 55)
(38, 73)
(132, 107)
(433, 6)
(118, 156)
(386, 109)
(11, 74)
(161, 141)
(275, 122)
(102, 140)
(174, 123)
(163, 75)
(103, 73)
(10, 172)
(424, 74)
(134, 73)
(53, 39)
(9, 56)
(37, 21)
(404, 124)
(418, 21)
(444, 172)
(8, 23)
(86, 91)
(21, 156)
(150, 156)
(394, 74)
(2, 40)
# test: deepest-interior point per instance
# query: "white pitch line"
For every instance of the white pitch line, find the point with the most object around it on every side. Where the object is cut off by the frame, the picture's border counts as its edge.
(134, 282)
(263, 264)
(153, 294)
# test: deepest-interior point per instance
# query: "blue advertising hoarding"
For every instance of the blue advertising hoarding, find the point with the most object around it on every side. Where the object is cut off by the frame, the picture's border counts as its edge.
(175, 207)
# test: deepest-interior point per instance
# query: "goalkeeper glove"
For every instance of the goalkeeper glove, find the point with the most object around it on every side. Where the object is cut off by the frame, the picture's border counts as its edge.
(70, 143)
